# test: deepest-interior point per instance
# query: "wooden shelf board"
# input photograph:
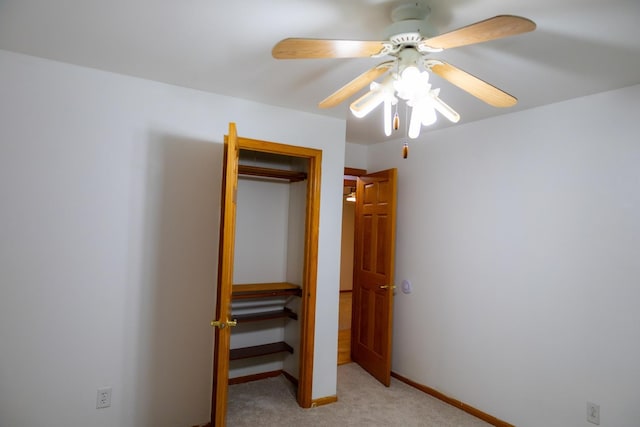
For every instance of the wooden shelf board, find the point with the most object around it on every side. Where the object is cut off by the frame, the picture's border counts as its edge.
(291, 176)
(264, 290)
(259, 350)
(266, 315)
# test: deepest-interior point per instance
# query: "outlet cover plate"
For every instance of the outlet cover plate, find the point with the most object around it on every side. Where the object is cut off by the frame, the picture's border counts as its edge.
(593, 413)
(104, 398)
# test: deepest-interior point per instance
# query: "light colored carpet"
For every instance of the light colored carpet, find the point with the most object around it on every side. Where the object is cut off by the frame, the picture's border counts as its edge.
(362, 401)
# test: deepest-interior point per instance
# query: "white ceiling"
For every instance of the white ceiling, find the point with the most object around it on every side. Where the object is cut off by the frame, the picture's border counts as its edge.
(580, 47)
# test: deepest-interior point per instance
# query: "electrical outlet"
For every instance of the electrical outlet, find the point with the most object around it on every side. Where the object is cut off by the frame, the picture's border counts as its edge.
(593, 413)
(104, 398)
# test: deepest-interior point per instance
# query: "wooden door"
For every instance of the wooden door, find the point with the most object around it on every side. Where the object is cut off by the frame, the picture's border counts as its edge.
(225, 278)
(373, 264)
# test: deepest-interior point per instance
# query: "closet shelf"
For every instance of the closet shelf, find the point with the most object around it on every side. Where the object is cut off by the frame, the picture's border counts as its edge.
(266, 315)
(259, 350)
(264, 290)
(291, 176)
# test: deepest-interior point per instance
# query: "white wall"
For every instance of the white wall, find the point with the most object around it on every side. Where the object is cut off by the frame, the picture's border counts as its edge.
(262, 219)
(110, 190)
(356, 155)
(346, 252)
(269, 247)
(521, 235)
(296, 240)
(260, 256)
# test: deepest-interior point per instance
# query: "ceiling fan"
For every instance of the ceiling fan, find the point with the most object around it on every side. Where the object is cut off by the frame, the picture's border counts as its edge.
(410, 43)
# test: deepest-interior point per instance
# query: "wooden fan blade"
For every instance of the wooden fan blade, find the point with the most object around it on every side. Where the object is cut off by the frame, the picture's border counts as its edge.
(490, 29)
(318, 48)
(355, 85)
(476, 87)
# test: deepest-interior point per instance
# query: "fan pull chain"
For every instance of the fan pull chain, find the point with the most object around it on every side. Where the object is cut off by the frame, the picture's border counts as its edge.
(405, 146)
(396, 120)
(396, 117)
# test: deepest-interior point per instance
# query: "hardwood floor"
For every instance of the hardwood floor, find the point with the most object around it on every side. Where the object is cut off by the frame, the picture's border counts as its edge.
(344, 328)
(344, 346)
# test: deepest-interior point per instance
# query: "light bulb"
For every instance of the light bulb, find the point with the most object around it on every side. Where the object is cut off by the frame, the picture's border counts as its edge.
(396, 121)
(378, 93)
(415, 122)
(410, 75)
(428, 116)
(445, 109)
(387, 117)
(366, 103)
(409, 83)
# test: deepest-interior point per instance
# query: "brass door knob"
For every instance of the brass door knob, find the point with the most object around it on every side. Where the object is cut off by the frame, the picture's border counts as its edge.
(218, 324)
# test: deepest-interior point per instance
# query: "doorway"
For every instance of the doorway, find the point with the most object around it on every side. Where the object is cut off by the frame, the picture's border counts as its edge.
(228, 291)
(346, 263)
(372, 289)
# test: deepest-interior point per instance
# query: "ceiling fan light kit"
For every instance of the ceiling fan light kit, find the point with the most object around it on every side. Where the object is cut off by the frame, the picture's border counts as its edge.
(410, 40)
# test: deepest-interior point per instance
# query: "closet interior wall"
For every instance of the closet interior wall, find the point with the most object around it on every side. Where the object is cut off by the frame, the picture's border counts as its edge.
(269, 248)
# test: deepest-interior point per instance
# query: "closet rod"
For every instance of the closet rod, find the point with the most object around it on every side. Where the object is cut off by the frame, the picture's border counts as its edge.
(291, 176)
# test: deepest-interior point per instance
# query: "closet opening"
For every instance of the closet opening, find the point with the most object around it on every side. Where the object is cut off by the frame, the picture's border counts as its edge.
(267, 271)
(268, 276)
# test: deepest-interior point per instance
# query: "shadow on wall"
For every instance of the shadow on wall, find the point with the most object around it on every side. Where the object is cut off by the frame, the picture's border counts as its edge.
(171, 356)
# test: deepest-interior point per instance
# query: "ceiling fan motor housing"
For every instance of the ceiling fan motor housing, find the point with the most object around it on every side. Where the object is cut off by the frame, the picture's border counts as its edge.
(408, 58)
(409, 25)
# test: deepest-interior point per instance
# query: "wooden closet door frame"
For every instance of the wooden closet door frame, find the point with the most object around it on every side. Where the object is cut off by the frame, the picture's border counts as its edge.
(310, 269)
